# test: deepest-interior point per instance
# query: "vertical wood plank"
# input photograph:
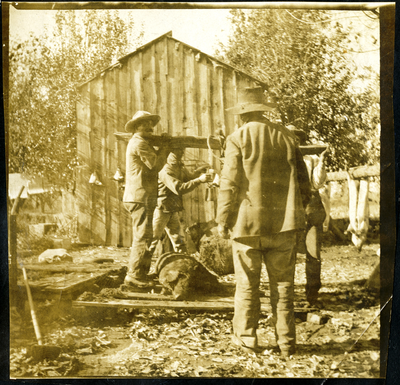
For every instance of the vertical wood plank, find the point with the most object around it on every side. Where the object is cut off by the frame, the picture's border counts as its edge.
(110, 87)
(209, 206)
(236, 120)
(194, 154)
(176, 86)
(98, 224)
(83, 124)
(162, 79)
(189, 126)
(106, 161)
(132, 85)
(147, 83)
(219, 109)
(122, 90)
(229, 100)
(83, 193)
(137, 81)
(83, 196)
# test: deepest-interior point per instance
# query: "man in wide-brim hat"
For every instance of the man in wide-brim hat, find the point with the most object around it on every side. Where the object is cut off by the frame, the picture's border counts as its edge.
(143, 163)
(251, 100)
(263, 187)
(140, 117)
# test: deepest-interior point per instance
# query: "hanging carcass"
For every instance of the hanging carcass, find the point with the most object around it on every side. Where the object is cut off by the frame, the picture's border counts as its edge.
(358, 211)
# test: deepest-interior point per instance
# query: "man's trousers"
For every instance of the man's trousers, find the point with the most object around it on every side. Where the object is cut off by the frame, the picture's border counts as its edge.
(142, 235)
(277, 252)
(170, 222)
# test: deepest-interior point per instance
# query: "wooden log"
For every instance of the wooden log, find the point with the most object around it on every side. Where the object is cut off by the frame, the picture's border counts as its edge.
(355, 173)
(201, 142)
(177, 141)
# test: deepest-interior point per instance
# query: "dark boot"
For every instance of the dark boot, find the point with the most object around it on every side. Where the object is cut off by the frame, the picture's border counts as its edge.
(313, 277)
(139, 266)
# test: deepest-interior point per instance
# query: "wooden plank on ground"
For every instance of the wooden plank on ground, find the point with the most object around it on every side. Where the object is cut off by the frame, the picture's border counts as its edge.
(81, 268)
(215, 305)
(154, 304)
(64, 285)
(162, 297)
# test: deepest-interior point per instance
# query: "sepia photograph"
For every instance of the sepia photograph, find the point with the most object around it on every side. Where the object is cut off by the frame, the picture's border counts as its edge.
(199, 190)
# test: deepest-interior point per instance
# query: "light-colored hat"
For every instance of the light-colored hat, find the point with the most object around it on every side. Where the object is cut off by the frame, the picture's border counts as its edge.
(251, 99)
(139, 117)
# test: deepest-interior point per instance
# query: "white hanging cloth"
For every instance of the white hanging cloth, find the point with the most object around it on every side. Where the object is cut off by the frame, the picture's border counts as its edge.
(358, 211)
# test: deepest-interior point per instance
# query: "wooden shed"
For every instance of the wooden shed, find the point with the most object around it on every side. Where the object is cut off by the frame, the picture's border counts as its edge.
(189, 89)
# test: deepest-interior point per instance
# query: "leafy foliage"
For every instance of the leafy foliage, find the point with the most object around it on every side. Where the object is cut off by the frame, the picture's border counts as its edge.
(301, 55)
(44, 73)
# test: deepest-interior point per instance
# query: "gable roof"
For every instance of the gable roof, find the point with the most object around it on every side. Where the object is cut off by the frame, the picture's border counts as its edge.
(168, 35)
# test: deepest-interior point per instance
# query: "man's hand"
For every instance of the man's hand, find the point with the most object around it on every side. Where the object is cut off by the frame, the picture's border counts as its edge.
(223, 232)
(203, 178)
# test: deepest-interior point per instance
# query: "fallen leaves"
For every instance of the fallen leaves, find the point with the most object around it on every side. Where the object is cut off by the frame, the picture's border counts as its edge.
(169, 343)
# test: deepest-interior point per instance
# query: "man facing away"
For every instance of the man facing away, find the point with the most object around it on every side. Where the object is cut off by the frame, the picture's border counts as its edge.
(264, 186)
(315, 217)
(143, 163)
(174, 180)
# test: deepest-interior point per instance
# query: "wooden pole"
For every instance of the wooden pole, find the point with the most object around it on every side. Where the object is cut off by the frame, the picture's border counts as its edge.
(13, 248)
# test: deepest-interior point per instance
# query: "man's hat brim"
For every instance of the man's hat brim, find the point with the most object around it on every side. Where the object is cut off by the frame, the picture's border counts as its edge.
(131, 125)
(244, 108)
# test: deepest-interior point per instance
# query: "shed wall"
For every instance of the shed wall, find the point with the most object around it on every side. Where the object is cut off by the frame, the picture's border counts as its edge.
(188, 89)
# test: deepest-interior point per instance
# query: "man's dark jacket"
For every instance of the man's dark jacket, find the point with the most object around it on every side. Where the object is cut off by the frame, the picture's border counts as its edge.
(264, 182)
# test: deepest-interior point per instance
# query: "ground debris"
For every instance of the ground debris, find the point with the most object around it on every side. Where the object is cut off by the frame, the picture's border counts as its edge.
(153, 343)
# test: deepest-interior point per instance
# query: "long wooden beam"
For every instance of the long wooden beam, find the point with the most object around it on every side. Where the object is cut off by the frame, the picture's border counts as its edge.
(355, 173)
(201, 142)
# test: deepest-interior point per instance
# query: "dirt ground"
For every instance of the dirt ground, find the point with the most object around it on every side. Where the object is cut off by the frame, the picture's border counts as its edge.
(168, 343)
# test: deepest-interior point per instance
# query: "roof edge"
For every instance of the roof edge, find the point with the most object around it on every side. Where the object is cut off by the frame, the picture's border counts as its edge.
(169, 35)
